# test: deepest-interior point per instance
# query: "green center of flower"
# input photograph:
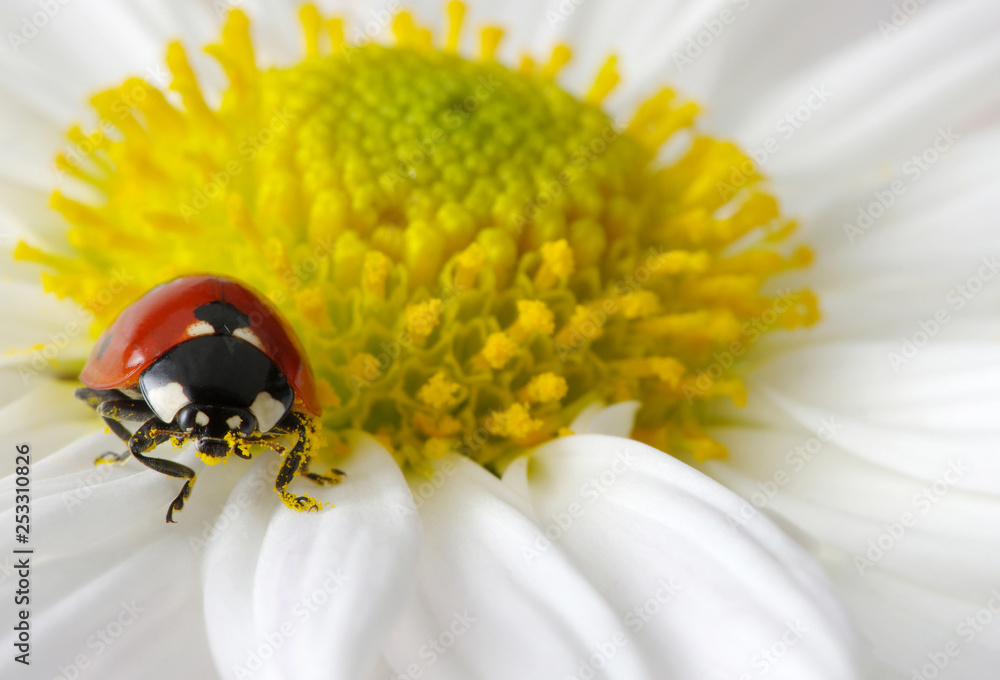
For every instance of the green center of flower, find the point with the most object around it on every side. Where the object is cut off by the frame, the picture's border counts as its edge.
(470, 254)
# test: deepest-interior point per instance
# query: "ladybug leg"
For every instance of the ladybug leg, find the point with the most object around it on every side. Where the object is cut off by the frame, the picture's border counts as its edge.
(95, 397)
(302, 426)
(153, 433)
(114, 410)
(297, 463)
(293, 461)
(135, 410)
(335, 476)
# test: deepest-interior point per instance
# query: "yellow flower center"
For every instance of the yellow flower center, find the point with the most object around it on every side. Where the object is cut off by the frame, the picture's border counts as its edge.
(470, 253)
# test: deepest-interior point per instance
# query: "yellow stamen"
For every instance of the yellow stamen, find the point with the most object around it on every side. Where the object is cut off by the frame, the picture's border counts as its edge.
(561, 55)
(584, 325)
(276, 256)
(533, 316)
(404, 29)
(27, 253)
(498, 350)
(489, 40)
(658, 117)
(606, 80)
(544, 388)
(376, 271)
(241, 220)
(439, 392)
(437, 448)
(311, 304)
(639, 304)
(424, 252)
(666, 369)
(364, 367)
(456, 13)
(557, 264)
(515, 423)
(437, 425)
(678, 262)
(704, 449)
(335, 33)
(185, 84)
(422, 318)
(327, 396)
(470, 262)
(312, 24)
(719, 326)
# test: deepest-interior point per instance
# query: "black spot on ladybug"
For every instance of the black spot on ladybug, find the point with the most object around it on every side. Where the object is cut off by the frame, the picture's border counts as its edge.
(223, 316)
(104, 346)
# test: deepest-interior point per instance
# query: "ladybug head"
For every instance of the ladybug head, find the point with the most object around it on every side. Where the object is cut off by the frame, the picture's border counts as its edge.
(215, 386)
(211, 424)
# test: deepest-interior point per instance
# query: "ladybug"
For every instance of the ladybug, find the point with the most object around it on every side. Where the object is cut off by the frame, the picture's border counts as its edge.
(208, 359)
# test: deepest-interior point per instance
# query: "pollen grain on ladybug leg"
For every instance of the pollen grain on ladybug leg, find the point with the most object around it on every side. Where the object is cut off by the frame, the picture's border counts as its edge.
(301, 503)
(469, 252)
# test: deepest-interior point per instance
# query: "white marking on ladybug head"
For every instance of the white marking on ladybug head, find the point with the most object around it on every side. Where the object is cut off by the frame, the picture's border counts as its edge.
(201, 418)
(267, 410)
(200, 328)
(167, 400)
(234, 422)
(248, 335)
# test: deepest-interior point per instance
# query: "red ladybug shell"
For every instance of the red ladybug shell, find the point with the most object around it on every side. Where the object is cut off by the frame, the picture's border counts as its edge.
(160, 320)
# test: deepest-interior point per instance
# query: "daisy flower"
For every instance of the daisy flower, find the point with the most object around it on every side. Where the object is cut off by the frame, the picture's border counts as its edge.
(521, 285)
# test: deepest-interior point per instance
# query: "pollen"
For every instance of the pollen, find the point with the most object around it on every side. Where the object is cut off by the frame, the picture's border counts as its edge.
(515, 423)
(439, 392)
(533, 316)
(498, 350)
(557, 264)
(422, 318)
(470, 253)
(544, 388)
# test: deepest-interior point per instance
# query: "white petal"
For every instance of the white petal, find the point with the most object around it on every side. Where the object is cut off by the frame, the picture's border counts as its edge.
(310, 595)
(933, 73)
(663, 543)
(41, 332)
(493, 599)
(616, 420)
(47, 416)
(81, 48)
(109, 578)
(583, 418)
(913, 558)
(912, 417)
(871, 238)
